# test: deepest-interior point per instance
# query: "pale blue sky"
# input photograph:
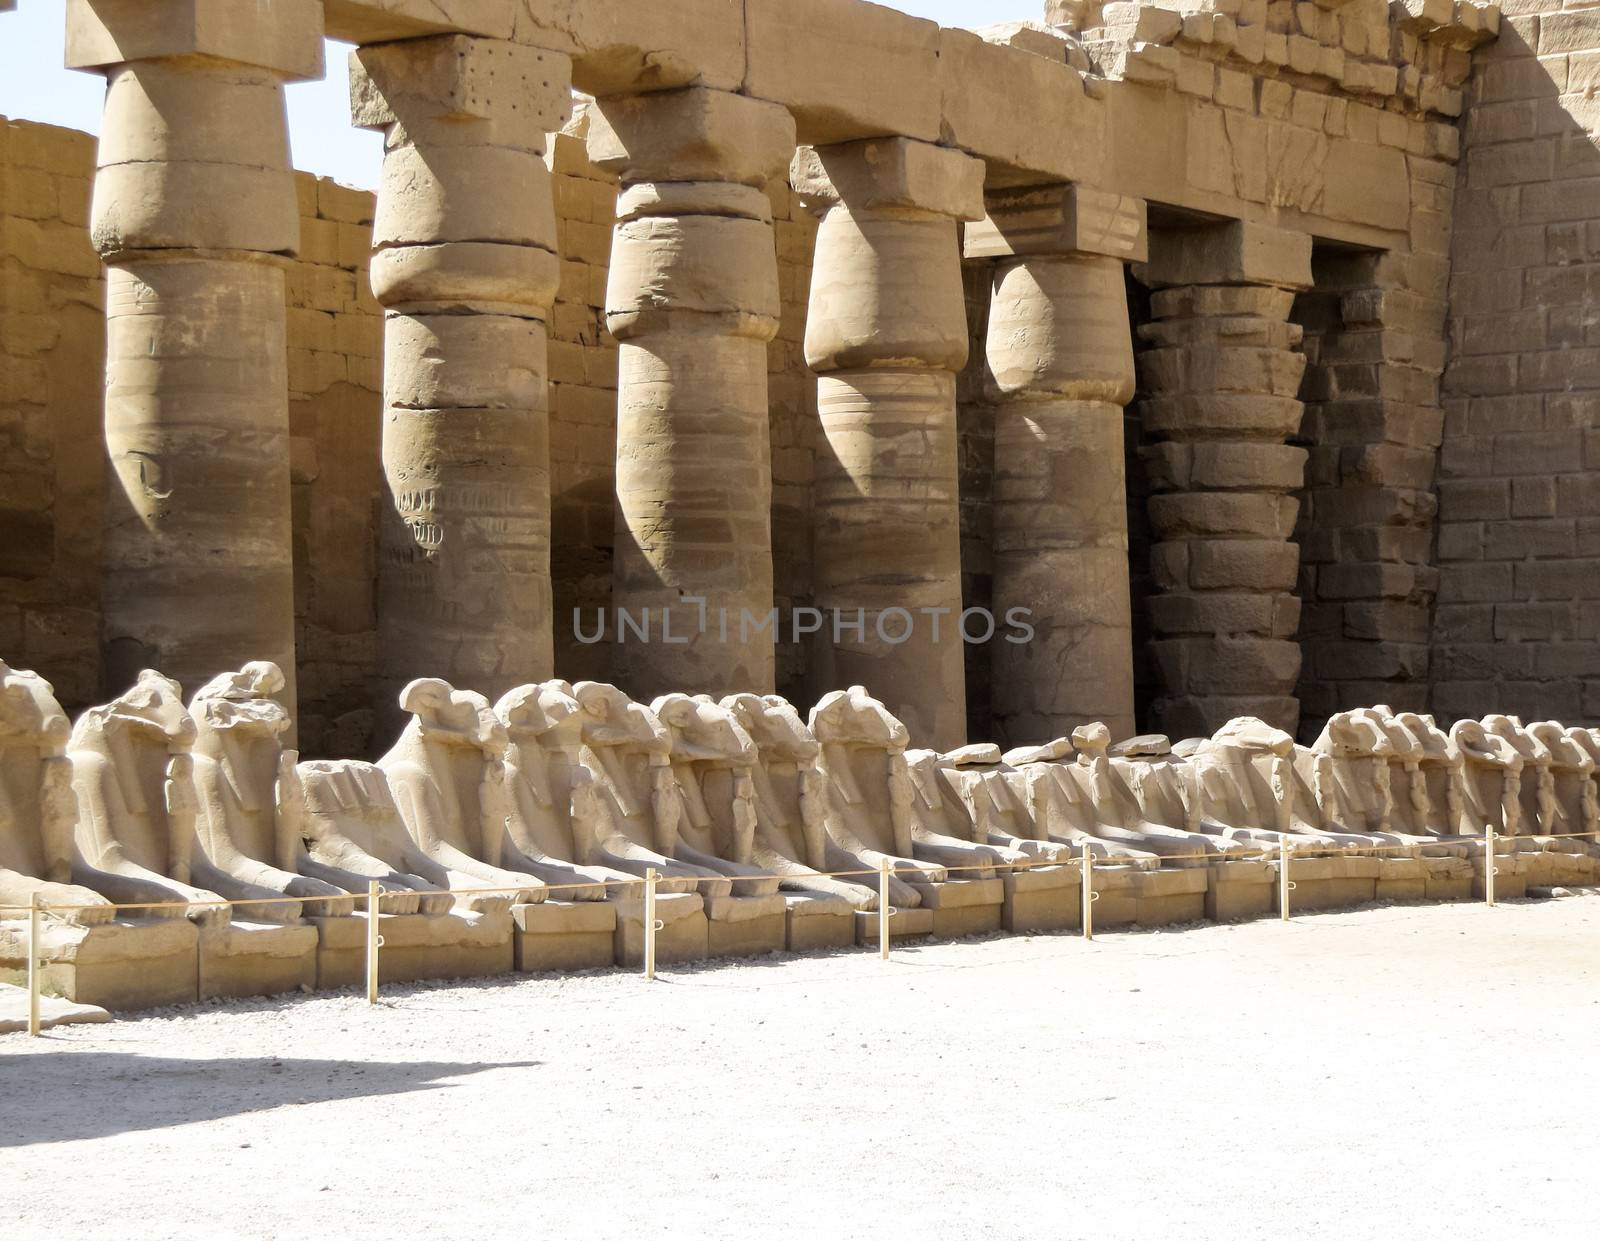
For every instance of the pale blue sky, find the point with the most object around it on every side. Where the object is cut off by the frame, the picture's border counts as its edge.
(34, 85)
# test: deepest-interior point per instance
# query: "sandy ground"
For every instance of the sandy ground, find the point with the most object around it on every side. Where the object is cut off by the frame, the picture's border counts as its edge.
(1399, 1072)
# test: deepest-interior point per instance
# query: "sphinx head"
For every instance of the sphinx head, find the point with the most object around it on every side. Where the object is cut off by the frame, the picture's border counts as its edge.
(1362, 733)
(452, 716)
(30, 713)
(854, 717)
(546, 713)
(242, 702)
(151, 710)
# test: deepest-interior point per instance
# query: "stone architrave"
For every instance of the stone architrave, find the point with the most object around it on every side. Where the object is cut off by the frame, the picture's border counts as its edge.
(693, 298)
(194, 212)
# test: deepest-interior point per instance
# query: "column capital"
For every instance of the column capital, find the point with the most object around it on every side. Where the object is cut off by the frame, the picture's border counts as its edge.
(695, 134)
(526, 91)
(1059, 220)
(1234, 252)
(892, 174)
(284, 37)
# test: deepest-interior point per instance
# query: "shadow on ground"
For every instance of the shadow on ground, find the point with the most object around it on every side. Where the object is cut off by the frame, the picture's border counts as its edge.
(63, 1097)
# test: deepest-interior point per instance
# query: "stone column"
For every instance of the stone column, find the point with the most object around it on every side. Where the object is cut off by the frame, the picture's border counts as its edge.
(1221, 373)
(465, 265)
(693, 300)
(194, 213)
(1059, 370)
(886, 333)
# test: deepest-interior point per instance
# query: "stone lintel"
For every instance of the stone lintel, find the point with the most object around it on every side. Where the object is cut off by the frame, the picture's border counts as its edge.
(892, 173)
(284, 37)
(460, 77)
(380, 21)
(694, 134)
(1234, 252)
(1060, 219)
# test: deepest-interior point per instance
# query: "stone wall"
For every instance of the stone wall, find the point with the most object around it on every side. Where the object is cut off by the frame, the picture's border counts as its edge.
(335, 402)
(1515, 629)
(52, 356)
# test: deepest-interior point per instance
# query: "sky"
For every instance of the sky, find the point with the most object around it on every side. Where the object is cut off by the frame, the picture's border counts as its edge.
(33, 85)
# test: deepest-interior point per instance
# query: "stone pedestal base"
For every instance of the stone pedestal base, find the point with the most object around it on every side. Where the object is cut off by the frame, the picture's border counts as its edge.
(1116, 897)
(963, 907)
(746, 926)
(256, 958)
(1044, 898)
(122, 966)
(682, 937)
(1402, 879)
(1447, 878)
(564, 935)
(1238, 891)
(415, 947)
(816, 922)
(903, 924)
(1570, 863)
(1171, 895)
(1329, 883)
(1510, 881)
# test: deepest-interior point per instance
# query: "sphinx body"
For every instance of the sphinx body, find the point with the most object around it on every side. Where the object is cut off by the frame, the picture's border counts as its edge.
(712, 760)
(354, 834)
(873, 799)
(249, 803)
(38, 808)
(554, 828)
(133, 773)
(628, 752)
(447, 775)
(966, 796)
(791, 806)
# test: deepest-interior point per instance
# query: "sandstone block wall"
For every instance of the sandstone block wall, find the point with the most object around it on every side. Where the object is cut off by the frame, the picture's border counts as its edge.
(52, 358)
(1516, 626)
(335, 401)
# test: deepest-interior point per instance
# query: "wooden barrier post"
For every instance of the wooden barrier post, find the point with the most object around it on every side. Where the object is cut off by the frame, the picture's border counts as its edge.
(1086, 866)
(1489, 868)
(34, 949)
(651, 926)
(1284, 885)
(883, 908)
(374, 942)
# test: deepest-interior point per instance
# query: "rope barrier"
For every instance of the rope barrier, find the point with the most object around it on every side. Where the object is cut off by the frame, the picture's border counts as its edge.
(1086, 861)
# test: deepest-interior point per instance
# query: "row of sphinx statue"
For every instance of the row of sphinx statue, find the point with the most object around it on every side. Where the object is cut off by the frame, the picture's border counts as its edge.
(574, 792)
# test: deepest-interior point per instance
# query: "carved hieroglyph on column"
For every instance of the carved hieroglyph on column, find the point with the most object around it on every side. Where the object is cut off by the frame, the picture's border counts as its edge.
(693, 298)
(465, 266)
(194, 212)
(1221, 373)
(1059, 370)
(886, 333)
